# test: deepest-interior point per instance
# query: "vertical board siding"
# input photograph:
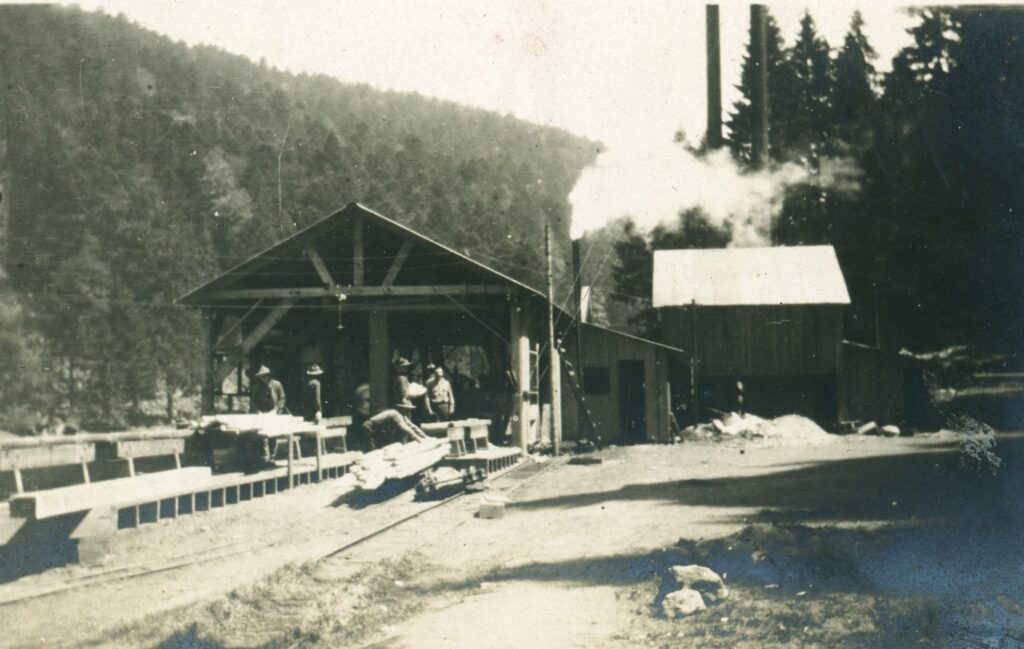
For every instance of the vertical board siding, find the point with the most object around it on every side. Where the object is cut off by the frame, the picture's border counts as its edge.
(759, 340)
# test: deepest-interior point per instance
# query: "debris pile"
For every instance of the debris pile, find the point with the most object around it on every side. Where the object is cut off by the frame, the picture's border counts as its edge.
(736, 426)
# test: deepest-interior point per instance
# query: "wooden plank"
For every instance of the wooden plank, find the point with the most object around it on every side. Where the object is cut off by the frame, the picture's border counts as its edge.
(319, 265)
(253, 339)
(398, 262)
(357, 252)
(149, 447)
(36, 457)
(106, 493)
(360, 291)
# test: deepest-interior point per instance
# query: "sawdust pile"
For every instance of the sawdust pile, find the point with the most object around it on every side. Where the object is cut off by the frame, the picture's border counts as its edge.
(781, 430)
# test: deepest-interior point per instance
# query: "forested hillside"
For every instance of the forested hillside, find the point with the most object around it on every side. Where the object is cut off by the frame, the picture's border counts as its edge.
(134, 168)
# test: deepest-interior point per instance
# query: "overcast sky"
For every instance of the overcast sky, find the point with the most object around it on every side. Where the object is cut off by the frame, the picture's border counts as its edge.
(624, 72)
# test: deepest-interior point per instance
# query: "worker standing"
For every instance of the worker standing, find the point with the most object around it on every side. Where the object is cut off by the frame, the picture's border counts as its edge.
(440, 396)
(313, 406)
(400, 383)
(267, 393)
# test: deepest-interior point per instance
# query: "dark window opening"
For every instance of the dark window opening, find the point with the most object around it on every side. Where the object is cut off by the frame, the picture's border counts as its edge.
(596, 380)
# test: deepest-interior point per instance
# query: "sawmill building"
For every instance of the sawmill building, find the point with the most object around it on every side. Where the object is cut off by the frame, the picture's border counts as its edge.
(768, 318)
(356, 290)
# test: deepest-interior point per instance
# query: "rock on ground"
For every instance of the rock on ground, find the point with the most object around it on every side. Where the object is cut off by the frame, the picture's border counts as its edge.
(702, 579)
(682, 603)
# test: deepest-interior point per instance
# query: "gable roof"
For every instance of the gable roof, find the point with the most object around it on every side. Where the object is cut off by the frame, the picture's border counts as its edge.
(748, 276)
(322, 227)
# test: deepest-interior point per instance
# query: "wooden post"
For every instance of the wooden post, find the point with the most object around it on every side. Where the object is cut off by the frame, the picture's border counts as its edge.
(319, 455)
(577, 271)
(357, 252)
(554, 361)
(379, 361)
(209, 365)
(694, 393)
(519, 352)
(291, 471)
(556, 401)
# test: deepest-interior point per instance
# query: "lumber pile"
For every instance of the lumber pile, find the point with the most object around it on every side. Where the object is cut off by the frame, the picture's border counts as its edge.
(397, 461)
(267, 425)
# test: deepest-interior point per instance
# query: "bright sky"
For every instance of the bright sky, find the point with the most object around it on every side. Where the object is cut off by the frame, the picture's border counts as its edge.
(625, 72)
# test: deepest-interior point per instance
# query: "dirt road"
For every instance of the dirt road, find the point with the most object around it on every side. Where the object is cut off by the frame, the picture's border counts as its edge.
(859, 542)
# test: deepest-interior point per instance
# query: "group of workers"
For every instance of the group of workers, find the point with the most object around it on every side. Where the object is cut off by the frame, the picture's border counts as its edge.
(436, 398)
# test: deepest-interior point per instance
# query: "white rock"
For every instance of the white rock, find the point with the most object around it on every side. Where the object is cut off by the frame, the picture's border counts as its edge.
(682, 603)
(891, 431)
(702, 579)
(870, 428)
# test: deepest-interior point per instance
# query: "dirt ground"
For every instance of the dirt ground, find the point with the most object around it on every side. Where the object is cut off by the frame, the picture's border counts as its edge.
(857, 542)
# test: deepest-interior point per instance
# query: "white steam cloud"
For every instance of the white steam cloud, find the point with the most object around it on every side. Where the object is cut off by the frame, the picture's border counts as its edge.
(654, 184)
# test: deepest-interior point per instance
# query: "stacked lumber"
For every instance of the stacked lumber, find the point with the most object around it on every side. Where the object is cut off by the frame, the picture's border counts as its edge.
(268, 425)
(397, 461)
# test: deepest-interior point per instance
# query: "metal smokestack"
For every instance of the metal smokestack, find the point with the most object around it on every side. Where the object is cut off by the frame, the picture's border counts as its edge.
(714, 70)
(759, 50)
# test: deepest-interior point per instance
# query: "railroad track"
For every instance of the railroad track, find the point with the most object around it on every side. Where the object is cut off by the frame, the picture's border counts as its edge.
(516, 475)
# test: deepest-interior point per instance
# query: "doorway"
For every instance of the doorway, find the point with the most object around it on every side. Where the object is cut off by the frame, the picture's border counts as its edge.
(632, 402)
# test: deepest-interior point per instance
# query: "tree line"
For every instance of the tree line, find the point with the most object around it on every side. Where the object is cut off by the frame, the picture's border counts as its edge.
(929, 237)
(134, 168)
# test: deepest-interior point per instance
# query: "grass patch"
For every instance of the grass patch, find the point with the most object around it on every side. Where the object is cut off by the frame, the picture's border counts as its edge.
(296, 606)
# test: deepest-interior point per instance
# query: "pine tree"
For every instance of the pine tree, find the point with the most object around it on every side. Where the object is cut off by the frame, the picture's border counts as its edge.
(806, 130)
(853, 93)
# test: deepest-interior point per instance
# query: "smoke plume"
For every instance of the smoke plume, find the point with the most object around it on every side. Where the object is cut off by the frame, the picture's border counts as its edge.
(654, 184)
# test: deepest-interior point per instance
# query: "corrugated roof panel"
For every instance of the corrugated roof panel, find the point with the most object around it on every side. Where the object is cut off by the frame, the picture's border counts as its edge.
(748, 276)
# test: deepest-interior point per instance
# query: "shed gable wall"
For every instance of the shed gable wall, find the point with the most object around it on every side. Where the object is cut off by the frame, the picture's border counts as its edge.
(750, 341)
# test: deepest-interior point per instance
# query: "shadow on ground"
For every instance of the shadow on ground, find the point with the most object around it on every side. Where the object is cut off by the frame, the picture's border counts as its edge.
(360, 499)
(928, 484)
(897, 528)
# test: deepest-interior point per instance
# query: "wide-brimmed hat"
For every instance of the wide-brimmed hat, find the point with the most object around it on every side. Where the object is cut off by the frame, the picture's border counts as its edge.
(314, 370)
(405, 404)
(403, 362)
(263, 371)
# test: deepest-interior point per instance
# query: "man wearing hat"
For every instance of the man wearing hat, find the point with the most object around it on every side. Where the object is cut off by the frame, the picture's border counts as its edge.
(400, 384)
(392, 425)
(267, 393)
(312, 407)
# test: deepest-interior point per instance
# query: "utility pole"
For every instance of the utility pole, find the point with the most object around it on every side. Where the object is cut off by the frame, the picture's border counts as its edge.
(554, 368)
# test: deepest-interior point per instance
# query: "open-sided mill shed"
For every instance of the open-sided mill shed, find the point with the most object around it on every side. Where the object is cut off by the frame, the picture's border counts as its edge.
(356, 289)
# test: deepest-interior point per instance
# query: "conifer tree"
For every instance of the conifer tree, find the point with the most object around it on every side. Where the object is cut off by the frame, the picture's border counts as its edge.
(853, 93)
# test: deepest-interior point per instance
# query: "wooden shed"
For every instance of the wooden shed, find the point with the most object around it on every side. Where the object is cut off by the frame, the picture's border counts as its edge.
(769, 318)
(356, 290)
(625, 385)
